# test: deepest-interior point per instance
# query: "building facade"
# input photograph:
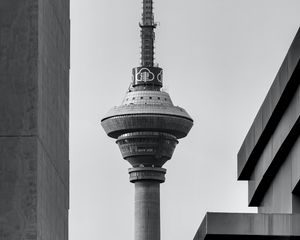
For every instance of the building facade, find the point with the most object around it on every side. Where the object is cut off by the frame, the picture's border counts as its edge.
(34, 119)
(269, 159)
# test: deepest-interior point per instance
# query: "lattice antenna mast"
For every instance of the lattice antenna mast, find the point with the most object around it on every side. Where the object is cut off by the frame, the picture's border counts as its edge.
(147, 34)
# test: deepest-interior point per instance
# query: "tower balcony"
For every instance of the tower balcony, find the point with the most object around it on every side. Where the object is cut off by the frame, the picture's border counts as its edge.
(147, 149)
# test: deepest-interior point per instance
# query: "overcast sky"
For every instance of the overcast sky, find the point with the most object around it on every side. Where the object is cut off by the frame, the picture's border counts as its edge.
(219, 59)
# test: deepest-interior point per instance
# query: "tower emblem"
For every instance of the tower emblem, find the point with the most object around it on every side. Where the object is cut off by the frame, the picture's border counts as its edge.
(160, 76)
(144, 75)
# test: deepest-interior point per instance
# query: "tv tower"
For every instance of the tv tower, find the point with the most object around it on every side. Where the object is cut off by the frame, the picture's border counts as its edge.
(147, 127)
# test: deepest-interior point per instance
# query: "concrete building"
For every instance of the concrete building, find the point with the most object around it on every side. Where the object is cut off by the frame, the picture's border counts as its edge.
(147, 126)
(269, 159)
(34, 119)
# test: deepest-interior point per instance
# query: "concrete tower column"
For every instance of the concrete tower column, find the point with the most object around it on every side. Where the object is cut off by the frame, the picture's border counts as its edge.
(34, 119)
(147, 201)
(147, 210)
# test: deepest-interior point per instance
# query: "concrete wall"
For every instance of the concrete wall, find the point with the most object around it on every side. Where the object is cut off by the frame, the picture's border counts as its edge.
(269, 114)
(276, 152)
(278, 198)
(34, 93)
(53, 119)
(269, 157)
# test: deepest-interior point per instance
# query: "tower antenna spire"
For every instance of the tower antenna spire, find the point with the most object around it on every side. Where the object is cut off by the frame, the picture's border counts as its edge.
(147, 34)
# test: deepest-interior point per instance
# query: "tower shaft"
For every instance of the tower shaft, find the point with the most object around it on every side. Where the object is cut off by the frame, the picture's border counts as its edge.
(147, 210)
(147, 201)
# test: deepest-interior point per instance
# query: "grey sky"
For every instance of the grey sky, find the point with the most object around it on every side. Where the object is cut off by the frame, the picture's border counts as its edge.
(219, 59)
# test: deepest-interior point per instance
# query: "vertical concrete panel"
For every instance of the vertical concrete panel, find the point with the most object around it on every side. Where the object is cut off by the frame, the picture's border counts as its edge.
(296, 204)
(53, 119)
(34, 114)
(295, 224)
(18, 199)
(18, 67)
(278, 197)
(18, 119)
(53, 82)
(52, 200)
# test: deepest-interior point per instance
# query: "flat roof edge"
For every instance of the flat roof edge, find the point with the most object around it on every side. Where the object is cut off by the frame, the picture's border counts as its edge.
(249, 225)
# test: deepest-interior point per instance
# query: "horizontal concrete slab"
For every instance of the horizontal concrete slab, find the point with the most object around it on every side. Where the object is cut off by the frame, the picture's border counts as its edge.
(275, 151)
(248, 226)
(269, 114)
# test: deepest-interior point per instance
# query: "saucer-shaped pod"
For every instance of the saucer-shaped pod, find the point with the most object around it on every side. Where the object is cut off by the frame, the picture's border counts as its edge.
(147, 111)
(118, 125)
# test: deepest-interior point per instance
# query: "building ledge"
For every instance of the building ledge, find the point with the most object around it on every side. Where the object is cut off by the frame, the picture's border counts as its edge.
(248, 226)
(271, 111)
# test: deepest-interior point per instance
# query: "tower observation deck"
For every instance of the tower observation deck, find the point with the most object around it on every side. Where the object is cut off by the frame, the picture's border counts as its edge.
(147, 127)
